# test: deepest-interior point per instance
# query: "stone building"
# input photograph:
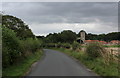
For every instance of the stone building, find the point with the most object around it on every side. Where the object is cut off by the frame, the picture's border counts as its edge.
(82, 35)
(81, 39)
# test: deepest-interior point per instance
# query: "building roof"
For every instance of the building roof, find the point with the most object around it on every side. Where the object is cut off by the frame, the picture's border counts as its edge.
(89, 41)
(103, 42)
(115, 41)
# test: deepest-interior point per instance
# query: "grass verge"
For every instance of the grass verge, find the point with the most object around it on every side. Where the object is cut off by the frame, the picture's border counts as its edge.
(21, 68)
(96, 65)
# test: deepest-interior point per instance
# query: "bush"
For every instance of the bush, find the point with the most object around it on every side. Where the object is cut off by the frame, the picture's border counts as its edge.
(59, 45)
(13, 49)
(10, 47)
(66, 45)
(50, 45)
(94, 50)
(75, 45)
(29, 45)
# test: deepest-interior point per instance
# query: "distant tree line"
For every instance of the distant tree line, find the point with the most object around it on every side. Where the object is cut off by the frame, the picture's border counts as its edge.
(105, 37)
(68, 36)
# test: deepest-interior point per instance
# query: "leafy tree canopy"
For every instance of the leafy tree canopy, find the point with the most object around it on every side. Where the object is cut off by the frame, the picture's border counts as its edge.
(17, 25)
(66, 36)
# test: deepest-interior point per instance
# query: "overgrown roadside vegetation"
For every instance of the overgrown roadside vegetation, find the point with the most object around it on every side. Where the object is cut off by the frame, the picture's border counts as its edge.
(20, 47)
(20, 69)
(94, 58)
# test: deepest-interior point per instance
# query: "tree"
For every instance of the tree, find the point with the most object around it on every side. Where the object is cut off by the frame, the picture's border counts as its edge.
(10, 45)
(18, 26)
(90, 36)
(68, 36)
(112, 36)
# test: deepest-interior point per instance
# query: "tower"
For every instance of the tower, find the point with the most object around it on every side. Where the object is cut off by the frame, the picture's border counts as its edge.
(82, 35)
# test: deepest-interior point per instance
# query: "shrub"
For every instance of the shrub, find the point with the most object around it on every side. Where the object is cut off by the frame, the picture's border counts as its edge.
(66, 45)
(13, 48)
(59, 45)
(43, 45)
(75, 45)
(10, 46)
(94, 50)
(29, 45)
(51, 45)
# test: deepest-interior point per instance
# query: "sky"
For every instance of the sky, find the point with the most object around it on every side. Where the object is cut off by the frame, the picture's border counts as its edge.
(53, 17)
(60, 0)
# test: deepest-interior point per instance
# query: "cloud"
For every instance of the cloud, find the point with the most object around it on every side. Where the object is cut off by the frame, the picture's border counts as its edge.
(63, 12)
(45, 29)
(60, 0)
(55, 15)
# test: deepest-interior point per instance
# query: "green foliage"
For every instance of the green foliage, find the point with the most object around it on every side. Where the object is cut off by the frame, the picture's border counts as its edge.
(104, 37)
(97, 65)
(0, 39)
(10, 45)
(18, 40)
(50, 45)
(65, 36)
(75, 45)
(68, 36)
(29, 45)
(18, 43)
(22, 30)
(112, 36)
(21, 68)
(13, 49)
(59, 45)
(94, 50)
(66, 45)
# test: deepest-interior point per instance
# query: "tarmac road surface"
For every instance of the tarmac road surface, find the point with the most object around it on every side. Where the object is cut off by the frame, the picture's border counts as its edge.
(56, 63)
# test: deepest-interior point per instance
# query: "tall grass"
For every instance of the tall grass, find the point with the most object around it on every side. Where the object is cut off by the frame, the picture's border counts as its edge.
(96, 64)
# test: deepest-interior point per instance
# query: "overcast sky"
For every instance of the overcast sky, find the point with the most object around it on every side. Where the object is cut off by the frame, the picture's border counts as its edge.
(49, 17)
(59, 0)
